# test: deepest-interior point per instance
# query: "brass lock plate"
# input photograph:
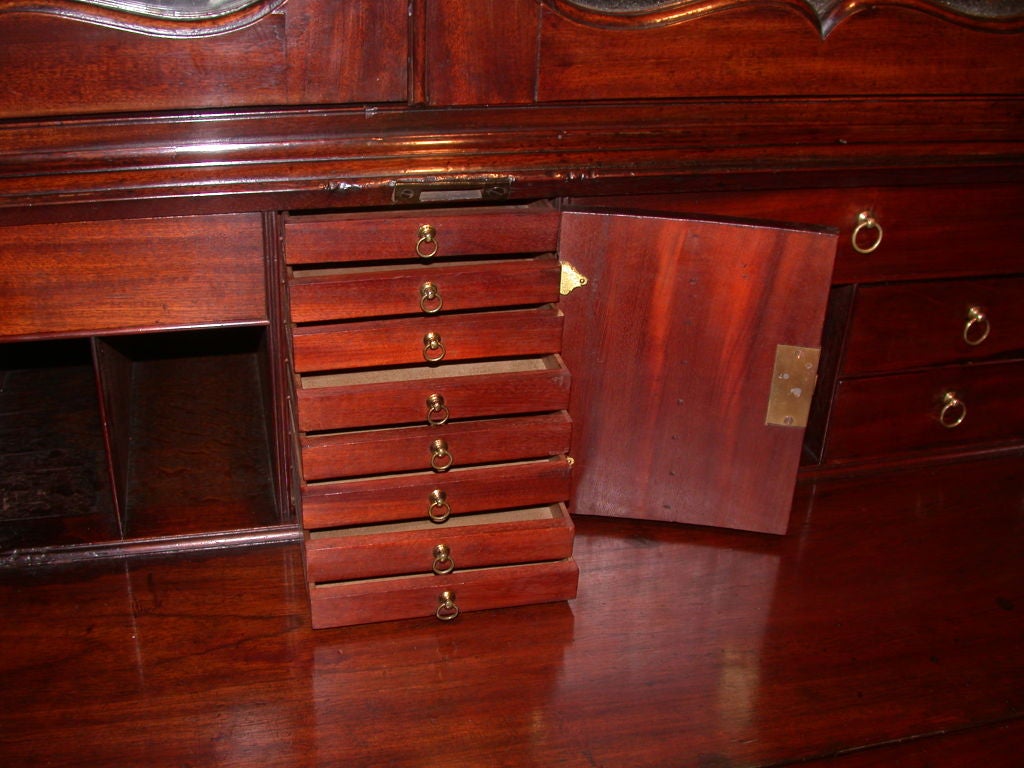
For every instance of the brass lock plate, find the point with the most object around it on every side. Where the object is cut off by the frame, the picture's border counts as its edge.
(793, 380)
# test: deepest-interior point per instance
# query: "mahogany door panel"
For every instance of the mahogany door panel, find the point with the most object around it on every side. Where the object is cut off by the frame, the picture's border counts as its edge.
(910, 325)
(407, 597)
(468, 541)
(672, 344)
(918, 232)
(430, 496)
(753, 49)
(361, 237)
(139, 274)
(345, 294)
(411, 341)
(374, 452)
(937, 408)
(431, 394)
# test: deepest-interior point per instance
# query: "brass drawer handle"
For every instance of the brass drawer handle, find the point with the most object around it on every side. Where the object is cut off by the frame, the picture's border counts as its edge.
(953, 411)
(439, 510)
(437, 411)
(430, 298)
(443, 562)
(426, 246)
(865, 223)
(977, 327)
(433, 348)
(440, 458)
(447, 610)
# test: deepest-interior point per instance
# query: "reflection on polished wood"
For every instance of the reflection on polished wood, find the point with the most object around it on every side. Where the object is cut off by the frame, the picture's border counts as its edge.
(884, 629)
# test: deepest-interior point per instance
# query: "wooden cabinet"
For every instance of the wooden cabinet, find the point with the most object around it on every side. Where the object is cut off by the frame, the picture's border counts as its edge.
(431, 404)
(408, 447)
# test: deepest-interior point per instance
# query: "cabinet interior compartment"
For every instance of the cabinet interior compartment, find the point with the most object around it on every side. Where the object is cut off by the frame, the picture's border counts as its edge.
(190, 445)
(54, 483)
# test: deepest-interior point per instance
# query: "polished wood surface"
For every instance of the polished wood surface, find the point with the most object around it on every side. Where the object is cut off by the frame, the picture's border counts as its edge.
(672, 346)
(885, 629)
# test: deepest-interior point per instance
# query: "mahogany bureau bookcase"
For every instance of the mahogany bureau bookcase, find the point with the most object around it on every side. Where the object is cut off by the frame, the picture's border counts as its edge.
(416, 281)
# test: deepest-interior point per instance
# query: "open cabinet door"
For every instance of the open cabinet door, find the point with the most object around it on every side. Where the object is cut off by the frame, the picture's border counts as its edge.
(673, 343)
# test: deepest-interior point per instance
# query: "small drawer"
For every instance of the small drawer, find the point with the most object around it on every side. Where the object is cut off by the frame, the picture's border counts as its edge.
(341, 604)
(469, 541)
(436, 497)
(410, 341)
(420, 235)
(410, 449)
(912, 325)
(937, 408)
(346, 293)
(432, 395)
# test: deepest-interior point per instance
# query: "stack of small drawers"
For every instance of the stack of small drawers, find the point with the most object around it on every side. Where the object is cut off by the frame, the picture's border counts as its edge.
(431, 414)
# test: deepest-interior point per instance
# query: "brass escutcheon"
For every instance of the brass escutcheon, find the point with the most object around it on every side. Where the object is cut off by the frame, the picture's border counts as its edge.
(439, 510)
(437, 411)
(433, 348)
(977, 327)
(865, 223)
(440, 458)
(430, 298)
(426, 246)
(447, 610)
(443, 562)
(953, 411)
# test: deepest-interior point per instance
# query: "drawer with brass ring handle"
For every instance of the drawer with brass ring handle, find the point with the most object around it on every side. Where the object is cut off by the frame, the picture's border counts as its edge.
(440, 457)
(977, 326)
(443, 562)
(866, 223)
(426, 246)
(953, 410)
(446, 609)
(437, 410)
(439, 510)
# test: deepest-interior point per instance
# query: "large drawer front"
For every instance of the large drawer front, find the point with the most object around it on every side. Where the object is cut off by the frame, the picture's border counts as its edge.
(136, 274)
(406, 597)
(944, 407)
(469, 541)
(910, 325)
(909, 232)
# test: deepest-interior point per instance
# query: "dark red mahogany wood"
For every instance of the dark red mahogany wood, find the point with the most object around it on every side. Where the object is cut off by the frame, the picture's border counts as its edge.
(884, 630)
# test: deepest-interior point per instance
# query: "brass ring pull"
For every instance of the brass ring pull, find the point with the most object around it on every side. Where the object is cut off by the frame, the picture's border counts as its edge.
(433, 348)
(437, 411)
(440, 458)
(443, 562)
(426, 246)
(447, 610)
(430, 298)
(953, 411)
(866, 222)
(977, 327)
(439, 510)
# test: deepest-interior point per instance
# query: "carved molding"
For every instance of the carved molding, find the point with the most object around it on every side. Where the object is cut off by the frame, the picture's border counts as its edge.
(159, 18)
(990, 15)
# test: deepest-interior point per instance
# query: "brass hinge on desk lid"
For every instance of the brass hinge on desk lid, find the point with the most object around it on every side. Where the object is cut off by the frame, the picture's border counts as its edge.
(793, 380)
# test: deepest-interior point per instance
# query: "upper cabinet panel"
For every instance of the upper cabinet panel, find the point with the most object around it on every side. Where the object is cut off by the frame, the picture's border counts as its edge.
(612, 50)
(61, 57)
